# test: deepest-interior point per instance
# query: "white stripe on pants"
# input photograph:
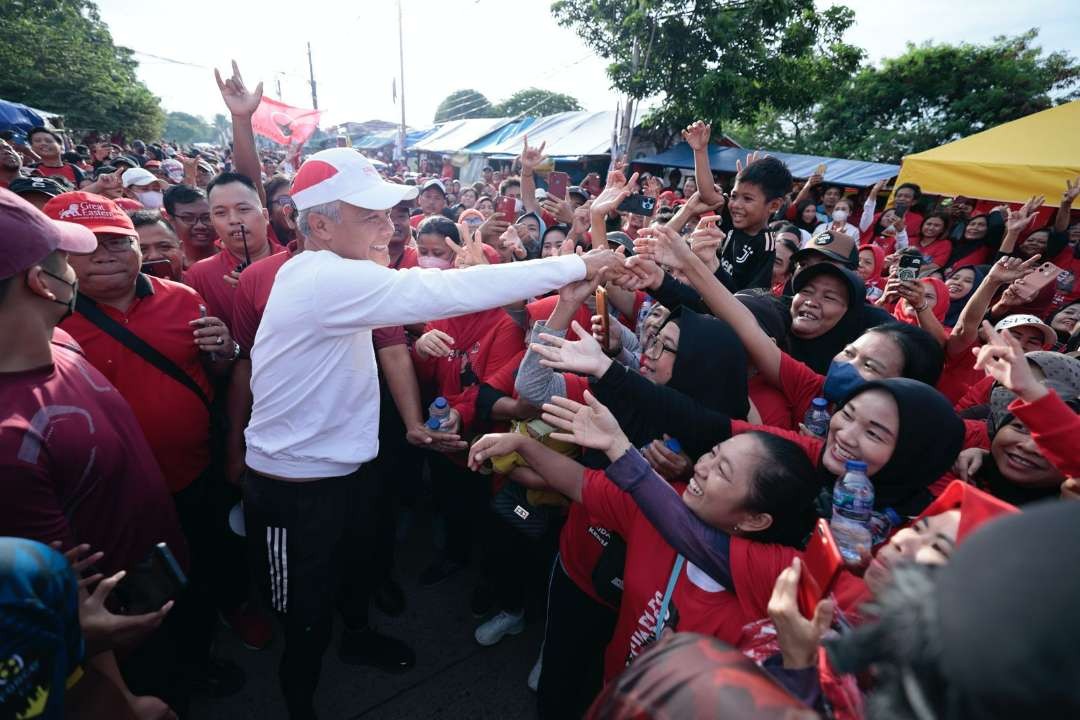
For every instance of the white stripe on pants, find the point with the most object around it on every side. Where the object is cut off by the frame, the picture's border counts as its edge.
(276, 552)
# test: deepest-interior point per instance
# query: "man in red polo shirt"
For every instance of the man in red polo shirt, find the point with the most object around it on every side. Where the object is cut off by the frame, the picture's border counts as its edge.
(74, 465)
(241, 223)
(173, 410)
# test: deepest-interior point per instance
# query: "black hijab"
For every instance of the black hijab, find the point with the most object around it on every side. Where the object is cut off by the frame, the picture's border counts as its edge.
(817, 353)
(930, 437)
(708, 344)
(772, 315)
(963, 247)
(956, 306)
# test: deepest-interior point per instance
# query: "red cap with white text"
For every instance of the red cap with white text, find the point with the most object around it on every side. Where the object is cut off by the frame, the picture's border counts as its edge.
(99, 213)
(344, 174)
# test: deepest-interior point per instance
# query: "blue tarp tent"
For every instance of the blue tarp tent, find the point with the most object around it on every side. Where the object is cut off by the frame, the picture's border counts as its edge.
(452, 137)
(511, 129)
(389, 137)
(19, 117)
(568, 135)
(854, 173)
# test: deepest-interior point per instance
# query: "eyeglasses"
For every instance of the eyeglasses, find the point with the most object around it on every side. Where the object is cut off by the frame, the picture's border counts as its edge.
(283, 201)
(192, 219)
(117, 245)
(656, 347)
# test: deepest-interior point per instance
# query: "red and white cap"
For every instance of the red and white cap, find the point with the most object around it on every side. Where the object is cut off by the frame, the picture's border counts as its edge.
(1049, 336)
(29, 235)
(346, 175)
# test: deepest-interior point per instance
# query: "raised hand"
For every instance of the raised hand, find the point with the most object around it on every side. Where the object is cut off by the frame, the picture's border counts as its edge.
(653, 187)
(642, 273)
(695, 205)
(471, 250)
(590, 425)
(511, 240)
(617, 190)
(697, 135)
(531, 157)
(1016, 221)
(875, 190)
(663, 246)
(799, 638)
(750, 160)
(584, 355)
(1072, 189)
(1003, 358)
(240, 101)
(434, 343)
(614, 339)
(705, 241)
(1034, 203)
(1009, 269)
(492, 228)
(602, 259)
(578, 292)
(561, 210)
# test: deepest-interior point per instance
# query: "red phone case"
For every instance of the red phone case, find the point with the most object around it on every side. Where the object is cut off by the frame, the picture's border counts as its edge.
(821, 563)
(557, 184)
(507, 207)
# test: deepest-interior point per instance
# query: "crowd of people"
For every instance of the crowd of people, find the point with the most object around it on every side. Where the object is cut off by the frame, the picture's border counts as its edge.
(226, 371)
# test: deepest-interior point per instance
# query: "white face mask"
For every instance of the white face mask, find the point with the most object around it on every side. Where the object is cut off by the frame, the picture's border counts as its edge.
(150, 199)
(840, 215)
(430, 261)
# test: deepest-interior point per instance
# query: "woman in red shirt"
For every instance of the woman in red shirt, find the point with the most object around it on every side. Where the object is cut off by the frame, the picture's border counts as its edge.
(932, 240)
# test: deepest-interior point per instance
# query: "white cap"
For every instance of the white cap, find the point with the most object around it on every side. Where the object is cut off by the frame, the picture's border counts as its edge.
(345, 174)
(1049, 336)
(173, 169)
(137, 176)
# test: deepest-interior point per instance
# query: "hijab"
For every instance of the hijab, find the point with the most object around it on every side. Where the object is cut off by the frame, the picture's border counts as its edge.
(771, 314)
(906, 314)
(688, 675)
(875, 280)
(929, 438)
(963, 247)
(1061, 375)
(817, 353)
(952, 315)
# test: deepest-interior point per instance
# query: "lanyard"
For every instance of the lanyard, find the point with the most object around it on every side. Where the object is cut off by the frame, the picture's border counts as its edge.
(675, 570)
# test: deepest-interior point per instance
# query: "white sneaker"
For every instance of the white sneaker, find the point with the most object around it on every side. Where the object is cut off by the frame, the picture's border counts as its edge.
(534, 674)
(499, 627)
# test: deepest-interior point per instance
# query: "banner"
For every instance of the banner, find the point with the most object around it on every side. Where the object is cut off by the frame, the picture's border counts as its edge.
(283, 123)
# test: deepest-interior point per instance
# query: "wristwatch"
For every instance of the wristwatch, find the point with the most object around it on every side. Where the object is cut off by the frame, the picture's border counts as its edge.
(235, 350)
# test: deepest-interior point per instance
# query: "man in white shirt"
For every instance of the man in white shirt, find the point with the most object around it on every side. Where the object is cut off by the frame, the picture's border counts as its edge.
(314, 418)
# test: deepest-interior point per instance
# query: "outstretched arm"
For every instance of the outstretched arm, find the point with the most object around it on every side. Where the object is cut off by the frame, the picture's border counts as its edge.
(242, 103)
(697, 136)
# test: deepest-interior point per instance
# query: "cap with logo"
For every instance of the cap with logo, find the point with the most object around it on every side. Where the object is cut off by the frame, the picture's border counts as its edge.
(100, 214)
(29, 235)
(173, 169)
(137, 176)
(1049, 336)
(346, 175)
(43, 185)
(834, 245)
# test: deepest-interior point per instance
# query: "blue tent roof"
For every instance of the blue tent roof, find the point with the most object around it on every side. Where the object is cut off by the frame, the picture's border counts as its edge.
(16, 116)
(389, 137)
(484, 144)
(855, 173)
(567, 134)
(455, 135)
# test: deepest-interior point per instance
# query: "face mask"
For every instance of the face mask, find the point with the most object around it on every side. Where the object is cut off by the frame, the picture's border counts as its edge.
(430, 261)
(150, 199)
(841, 380)
(70, 302)
(840, 215)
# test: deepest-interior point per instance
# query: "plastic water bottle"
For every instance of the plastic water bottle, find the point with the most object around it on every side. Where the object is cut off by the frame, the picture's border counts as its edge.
(853, 504)
(816, 419)
(671, 444)
(439, 412)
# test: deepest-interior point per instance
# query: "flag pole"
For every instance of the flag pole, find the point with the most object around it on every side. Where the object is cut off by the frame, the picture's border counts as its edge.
(401, 60)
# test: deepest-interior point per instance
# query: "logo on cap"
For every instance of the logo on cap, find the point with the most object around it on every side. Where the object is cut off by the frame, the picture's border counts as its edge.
(86, 210)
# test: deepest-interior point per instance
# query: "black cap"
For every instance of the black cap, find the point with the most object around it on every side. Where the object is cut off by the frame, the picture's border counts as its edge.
(620, 238)
(834, 245)
(854, 284)
(44, 185)
(579, 191)
(127, 160)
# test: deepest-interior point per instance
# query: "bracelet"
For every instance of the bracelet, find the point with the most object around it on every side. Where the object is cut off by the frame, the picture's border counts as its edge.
(925, 305)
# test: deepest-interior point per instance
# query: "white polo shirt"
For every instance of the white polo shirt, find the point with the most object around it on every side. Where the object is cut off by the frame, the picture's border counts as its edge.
(313, 373)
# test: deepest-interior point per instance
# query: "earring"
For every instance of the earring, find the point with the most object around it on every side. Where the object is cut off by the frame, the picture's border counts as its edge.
(736, 528)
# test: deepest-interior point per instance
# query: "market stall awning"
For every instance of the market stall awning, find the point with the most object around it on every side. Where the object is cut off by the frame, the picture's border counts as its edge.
(1007, 163)
(389, 137)
(21, 118)
(456, 135)
(567, 135)
(853, 173)
(511, 129)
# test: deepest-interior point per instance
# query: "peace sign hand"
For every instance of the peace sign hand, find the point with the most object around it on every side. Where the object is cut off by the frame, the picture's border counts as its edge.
(1072, 190)
(1003, 358)
(470, 252)
(750, 160)
(240, 101)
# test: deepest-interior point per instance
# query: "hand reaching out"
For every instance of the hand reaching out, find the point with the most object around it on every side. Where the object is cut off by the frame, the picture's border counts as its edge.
(1072, 190)
(1003, 358)
(1009, 269)
(578, 292)
(511, 240)
(663, 246)
(642, 274)
(614, 193)
(697, 135)
(590, 425)
(434, 343)
(240, 101)
(799, 638)
(583, 355)
(532, 157)
(705, 241)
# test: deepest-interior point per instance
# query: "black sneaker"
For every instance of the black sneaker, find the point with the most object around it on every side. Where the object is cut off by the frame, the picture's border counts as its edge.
(390, 598)
(439, 571)
(482, 601)
(222, 679)
(373, 649)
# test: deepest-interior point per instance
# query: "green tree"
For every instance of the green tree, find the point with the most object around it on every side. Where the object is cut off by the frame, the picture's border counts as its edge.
(222, 129)
(184, 128)
(717, 60)
(58, 55)
(462, 104)
(936, 93)
(534, 101)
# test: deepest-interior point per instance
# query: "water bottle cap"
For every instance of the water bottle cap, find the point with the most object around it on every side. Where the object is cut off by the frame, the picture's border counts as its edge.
(440, 402)
(855, 466)
(820, 403)
(893, 516)
(432, 424)
(673, 445)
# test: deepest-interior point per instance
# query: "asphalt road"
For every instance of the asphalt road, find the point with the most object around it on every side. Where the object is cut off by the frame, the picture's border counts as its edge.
(454, 677)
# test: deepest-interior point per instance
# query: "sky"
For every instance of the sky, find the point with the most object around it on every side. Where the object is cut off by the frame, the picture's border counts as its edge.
(493, 46)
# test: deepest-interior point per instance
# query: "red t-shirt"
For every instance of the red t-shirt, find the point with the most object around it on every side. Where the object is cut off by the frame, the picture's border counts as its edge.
(800, 386)
(958, 374)
(581, 543)
(208, 278)
(409, 259)
(174, 420)
(773, 407)
(75, 466)
(649, 561)
(938, 251)
(66, 171)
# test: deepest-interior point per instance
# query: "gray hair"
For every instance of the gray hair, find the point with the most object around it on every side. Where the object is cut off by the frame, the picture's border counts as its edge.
(330, 210)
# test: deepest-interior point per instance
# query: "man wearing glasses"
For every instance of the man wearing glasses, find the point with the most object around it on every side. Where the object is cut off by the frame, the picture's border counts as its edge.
(281, 209)
(190, 212)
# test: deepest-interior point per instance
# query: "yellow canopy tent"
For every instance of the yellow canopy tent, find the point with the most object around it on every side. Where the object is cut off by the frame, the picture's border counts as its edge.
(1008, 163)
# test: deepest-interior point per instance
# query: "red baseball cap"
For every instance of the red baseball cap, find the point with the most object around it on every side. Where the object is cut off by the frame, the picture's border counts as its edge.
(344, 174)
(128, 205)
(29, 235)
(100, 214)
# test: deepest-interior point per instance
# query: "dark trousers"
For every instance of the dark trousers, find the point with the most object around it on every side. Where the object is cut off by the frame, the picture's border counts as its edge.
(309, 544)
(464, 497)
(578, 629)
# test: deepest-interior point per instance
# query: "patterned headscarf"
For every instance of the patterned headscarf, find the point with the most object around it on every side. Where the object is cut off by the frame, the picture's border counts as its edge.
(1062, 376)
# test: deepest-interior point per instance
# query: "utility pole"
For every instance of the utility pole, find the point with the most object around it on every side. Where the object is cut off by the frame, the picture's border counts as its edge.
(311, 70)
(401, 60)
(277, 80)
(628, 113)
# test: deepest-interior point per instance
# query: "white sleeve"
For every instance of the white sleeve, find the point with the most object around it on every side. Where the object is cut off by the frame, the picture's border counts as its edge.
(868, 209)
(357, 294)
(902, 239)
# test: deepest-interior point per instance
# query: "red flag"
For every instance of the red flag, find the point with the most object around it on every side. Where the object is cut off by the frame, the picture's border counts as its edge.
(283, 123)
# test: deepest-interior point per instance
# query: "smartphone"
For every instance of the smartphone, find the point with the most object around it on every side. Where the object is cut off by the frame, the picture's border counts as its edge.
(820, 170)
(557, 184)
(638, 205)
(900, 209)
(821, 563)
(605, 317)
(909, 267)
(156, 580)
(1029, 286)
(507, 207)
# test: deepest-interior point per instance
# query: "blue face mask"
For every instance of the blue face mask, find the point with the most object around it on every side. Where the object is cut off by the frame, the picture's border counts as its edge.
(841, 380)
